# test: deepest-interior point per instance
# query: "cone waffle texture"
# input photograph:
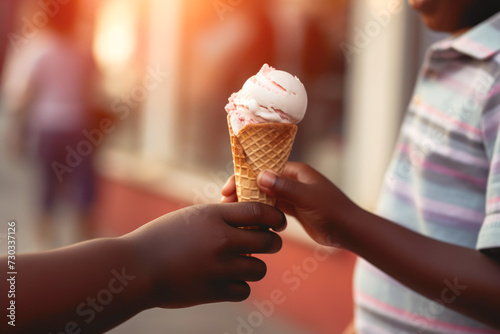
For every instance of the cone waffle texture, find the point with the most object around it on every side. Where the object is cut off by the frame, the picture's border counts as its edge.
(258, 147)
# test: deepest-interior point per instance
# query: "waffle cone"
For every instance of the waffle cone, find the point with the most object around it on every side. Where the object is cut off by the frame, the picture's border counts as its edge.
(258, 147)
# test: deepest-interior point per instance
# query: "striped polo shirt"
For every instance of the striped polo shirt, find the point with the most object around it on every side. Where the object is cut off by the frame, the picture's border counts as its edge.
(443, 181)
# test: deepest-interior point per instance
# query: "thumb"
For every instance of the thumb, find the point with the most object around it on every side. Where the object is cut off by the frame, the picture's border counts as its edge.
(281, 186)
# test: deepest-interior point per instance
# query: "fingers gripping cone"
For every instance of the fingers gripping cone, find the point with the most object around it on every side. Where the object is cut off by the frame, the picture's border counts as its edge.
(258, 147)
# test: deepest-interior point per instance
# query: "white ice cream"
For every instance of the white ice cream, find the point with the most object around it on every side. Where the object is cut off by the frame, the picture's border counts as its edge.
(270, 96)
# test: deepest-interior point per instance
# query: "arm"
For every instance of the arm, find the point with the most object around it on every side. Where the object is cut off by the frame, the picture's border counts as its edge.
(186, 258)
(17, 98)
(59, 290)
(466, 280)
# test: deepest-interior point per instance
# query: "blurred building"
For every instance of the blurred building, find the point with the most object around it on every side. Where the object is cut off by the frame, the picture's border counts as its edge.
(168, 68)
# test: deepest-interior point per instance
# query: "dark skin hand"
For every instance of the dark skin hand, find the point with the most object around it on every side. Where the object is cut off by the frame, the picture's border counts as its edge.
(421, 263)
(189, 257)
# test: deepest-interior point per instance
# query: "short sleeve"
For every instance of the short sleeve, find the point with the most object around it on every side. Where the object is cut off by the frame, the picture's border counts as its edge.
(489, 234)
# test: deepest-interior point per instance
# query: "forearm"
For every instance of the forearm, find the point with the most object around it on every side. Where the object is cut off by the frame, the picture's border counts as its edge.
(433, 268)
(92, 286)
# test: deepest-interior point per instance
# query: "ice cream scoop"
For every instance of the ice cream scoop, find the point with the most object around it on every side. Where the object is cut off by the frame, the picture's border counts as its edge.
(270, 96)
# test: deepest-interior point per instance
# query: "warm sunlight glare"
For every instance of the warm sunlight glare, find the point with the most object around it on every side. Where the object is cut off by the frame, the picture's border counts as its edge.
(116, 31)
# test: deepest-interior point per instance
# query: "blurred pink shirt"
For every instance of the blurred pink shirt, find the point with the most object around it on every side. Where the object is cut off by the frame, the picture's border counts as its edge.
(59, 84)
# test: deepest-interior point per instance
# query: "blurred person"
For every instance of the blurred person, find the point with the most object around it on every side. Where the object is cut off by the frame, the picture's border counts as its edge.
(53, 110)
(430, 260)
(189, 257)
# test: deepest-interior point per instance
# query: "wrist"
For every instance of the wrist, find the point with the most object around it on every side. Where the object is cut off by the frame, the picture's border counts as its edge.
(344, 228)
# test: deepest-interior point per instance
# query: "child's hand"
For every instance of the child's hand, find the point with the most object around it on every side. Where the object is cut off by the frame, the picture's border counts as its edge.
(304, 193)
(193, 256)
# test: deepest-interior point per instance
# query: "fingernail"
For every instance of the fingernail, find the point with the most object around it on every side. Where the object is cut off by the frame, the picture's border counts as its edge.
(267, 179)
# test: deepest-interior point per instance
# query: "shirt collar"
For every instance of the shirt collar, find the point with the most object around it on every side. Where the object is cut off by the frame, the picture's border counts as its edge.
(480, 42)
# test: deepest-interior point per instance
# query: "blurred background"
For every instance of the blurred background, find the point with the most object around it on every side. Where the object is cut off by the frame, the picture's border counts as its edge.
(112, 113)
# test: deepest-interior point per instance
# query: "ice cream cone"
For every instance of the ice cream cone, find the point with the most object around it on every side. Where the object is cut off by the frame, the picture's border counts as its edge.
(255, 148)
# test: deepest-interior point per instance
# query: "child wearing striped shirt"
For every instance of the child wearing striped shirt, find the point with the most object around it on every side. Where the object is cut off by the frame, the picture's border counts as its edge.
(429, 257)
